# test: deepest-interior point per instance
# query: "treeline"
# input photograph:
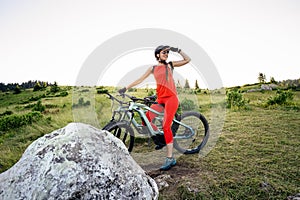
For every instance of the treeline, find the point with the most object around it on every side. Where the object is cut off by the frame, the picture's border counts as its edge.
(293, 84)
(290, 84)
(25, 85)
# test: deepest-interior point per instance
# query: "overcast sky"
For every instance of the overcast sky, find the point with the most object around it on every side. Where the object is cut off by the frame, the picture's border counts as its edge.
(50, 40)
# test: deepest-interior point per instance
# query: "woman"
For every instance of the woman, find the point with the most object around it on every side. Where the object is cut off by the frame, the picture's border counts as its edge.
(166, 93)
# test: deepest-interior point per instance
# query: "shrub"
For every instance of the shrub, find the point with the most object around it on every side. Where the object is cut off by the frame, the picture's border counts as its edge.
(36, 98)
(16, 121)
(8, 112)
(197, 91)
(151, 92)
(39, 107)
(281, 98)
(54, 88)
(187, 104)
(62, 94)
(81, 103)
(102, 90)
(234, 100)
(51, 106)
(132, 90)
(87, 103)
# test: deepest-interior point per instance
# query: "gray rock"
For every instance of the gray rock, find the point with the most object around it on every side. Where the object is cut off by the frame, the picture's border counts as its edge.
(295, 197)
(77, 162)
(162, 181)
(265, 87)
(254, 90)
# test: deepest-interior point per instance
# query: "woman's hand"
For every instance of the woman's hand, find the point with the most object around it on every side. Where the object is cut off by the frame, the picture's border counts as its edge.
(122, 91)
(175, 49)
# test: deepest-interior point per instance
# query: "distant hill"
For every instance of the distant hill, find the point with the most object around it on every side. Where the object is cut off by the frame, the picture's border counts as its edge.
(293, 84)
(25, 85)
(290, 84)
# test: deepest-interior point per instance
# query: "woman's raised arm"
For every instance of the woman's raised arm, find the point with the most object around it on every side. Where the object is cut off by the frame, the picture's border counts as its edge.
(179, 63)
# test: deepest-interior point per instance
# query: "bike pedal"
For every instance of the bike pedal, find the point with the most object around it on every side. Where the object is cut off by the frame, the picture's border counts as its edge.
(158, 147)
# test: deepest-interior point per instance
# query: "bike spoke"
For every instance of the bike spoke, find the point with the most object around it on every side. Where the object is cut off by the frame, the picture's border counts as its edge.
(125, 136)
(118, 132)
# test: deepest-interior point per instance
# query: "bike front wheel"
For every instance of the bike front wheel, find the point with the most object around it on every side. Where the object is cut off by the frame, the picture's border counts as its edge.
(122, 131)
(187, 143)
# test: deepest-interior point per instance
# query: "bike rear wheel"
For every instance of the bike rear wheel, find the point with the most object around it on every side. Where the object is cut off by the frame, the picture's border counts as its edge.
(122, 131)
(195, 143)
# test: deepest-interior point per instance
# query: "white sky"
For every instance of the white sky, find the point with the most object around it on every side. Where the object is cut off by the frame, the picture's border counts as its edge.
(49, 40)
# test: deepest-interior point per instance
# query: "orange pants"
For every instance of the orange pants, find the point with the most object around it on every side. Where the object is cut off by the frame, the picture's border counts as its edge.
(170, 106)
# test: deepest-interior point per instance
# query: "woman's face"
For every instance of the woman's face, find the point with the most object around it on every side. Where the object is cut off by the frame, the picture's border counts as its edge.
(163, 55)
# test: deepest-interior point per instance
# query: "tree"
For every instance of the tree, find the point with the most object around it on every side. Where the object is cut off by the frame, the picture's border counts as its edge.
(17, 90)
(54, 87)
(186, 85)
(196, 85)
(37, 87)
(178, 85)
(261, 77)
(197, 89)
(45, 84)
(272, 80)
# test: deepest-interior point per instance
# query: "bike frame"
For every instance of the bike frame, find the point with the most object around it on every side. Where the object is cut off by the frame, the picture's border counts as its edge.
(141, 109)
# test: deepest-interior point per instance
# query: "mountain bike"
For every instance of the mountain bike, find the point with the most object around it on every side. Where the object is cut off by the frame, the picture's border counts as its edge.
(190, 129)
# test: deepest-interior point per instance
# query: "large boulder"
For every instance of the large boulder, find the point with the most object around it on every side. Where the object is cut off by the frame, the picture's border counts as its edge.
(77, 162)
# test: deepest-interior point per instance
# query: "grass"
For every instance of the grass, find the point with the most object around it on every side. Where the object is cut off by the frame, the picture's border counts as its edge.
(13, 142)
(256, 155)
(252, 153)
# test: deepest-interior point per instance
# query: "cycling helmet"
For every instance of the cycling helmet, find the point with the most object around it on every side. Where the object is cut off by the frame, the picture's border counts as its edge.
(159, 49)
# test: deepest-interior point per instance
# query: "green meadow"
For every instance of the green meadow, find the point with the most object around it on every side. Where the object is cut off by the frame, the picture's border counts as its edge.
(256, 155)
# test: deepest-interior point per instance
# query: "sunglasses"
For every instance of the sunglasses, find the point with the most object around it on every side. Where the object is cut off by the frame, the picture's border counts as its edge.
(165, 52)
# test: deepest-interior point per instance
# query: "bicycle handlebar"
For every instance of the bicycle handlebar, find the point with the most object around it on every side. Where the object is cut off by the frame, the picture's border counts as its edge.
(146, 100)
(114, 98)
